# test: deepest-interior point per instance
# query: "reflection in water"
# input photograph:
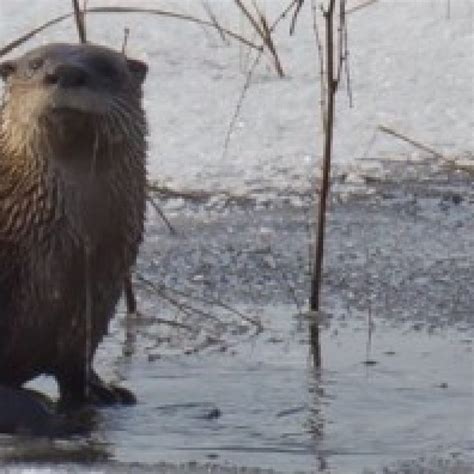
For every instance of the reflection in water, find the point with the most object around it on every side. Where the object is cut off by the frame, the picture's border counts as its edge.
(84, 445)
(316, 420)
(315, 340)
(264, 403)
(49, 451)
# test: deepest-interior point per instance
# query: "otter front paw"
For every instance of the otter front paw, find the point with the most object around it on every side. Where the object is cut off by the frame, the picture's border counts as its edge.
(100, 393)
(95, 392)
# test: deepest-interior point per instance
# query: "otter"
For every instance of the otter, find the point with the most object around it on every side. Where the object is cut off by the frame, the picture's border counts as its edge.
(72, 204)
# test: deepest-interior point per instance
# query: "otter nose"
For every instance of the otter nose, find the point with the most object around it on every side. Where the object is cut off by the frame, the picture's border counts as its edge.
(66, 75)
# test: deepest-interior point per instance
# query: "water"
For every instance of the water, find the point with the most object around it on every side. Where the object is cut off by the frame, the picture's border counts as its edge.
(262, 404)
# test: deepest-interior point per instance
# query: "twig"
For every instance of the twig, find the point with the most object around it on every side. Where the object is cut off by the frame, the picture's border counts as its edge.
(250, 18)
(175, 324)
(191, 195)
(415, 143)
(285, 12)
(370, 324)
(161, 289)
(271, 46)
(215, 302)
(25, 37)
(130, 300)
(213, 18)
(178, 16)
(317, 276)
(248, 81)
(322, 76)
(196, 195)
(185, 307)
(238, 107)
(264, 31)
(360, 6)
(160, 212)
(341, 43)
(334, 65)
(126, 34)
(299, 4)
(151, 286)
(80, 21)
(285, 280)
(347, 62)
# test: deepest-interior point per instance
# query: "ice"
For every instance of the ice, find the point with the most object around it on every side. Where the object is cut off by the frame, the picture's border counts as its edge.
(412, 69)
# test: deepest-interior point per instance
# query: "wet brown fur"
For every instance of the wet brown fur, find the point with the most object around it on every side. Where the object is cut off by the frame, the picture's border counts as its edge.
(72, 201)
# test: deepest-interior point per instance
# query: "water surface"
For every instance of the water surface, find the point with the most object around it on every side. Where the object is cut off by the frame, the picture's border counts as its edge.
(263, 404)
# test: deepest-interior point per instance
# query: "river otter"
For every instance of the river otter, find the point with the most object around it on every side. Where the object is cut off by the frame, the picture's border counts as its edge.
(72, 203)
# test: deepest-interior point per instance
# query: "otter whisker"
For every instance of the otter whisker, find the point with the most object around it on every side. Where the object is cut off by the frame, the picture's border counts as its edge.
(125, 126)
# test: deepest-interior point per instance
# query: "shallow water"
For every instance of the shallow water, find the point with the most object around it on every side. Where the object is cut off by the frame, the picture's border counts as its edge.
(408, 394)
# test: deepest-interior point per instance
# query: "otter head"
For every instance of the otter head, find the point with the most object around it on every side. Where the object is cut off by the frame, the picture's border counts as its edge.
(60, 94)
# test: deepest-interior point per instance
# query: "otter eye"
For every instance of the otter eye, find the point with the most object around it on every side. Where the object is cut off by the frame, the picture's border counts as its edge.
(35, 64)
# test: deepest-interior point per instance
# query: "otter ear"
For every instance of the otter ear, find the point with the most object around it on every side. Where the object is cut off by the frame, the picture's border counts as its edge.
(138, 69)
(6, 69)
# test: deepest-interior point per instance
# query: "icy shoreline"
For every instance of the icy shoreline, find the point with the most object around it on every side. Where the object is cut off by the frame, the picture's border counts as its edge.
(412, 70)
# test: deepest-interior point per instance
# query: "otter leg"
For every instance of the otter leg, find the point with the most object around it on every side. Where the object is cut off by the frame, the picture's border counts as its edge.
(75, 392)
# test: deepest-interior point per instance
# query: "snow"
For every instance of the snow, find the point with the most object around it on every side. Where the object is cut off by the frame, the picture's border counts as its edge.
(412, 69)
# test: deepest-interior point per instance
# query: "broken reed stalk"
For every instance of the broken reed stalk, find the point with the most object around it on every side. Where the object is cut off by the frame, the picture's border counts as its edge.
(328, 120)
(214, 20)
(411, 141)
(160, 212)
(335, 53)
(264, 31)
(130, 299)
(446, 160)
(360, 6)
(129, 293)
(54, 21)
(27, 36)
(80, 21)
(249, 75)
(177, 16)
(126, 34)
(322, 88)
(299, 4)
